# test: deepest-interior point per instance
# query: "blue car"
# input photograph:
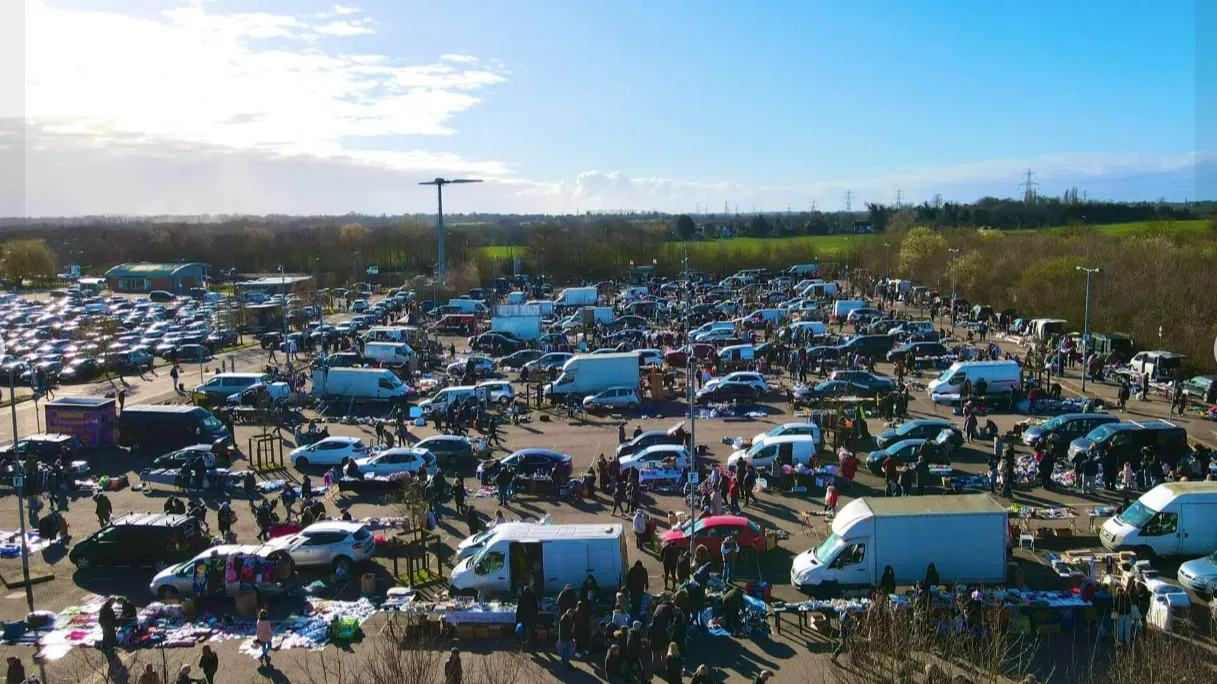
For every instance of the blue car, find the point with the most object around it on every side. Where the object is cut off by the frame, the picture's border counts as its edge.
(906, 452)
(923, 428)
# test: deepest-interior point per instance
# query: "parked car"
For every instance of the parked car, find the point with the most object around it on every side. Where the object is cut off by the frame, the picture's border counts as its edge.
(140, 540)
(754, 380)
(739, 392)
(177, 459)
(922, 428)
(46, 447)
(1201, 388)
(712, 530)
(398, 460)
(613, 398)
(914, 350)
(80, 370)
(550, 360)
(483, 366)
(868, 383)
(649, 438)
(657, 454)
(330, 543)
(907, 450)
(519, 359)
(529, 461)
(451, 450)
(329, 451)
(1067, 426)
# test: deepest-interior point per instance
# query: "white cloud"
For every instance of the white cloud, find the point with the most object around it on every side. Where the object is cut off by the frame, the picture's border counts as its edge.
(459, 59)
(344, 28)
(346, 9)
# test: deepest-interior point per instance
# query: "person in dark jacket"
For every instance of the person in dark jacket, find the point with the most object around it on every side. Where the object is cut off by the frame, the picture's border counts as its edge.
(583, 626)
(637, 582)
(16, 671)
(526, 614)
(108, 622)
(887, 583)
(209, 663)
(453, 673)
(104, 509)
(931, 577)
(670, 555)
(612, 664)
(567, 598)
(471, 518)
(674, 666)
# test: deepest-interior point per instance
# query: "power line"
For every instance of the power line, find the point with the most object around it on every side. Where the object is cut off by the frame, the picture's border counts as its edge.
(1029, 185)
(849, 200)
(899, 198)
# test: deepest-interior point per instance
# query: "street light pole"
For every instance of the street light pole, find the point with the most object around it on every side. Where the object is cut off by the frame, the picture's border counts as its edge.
(1086, 321)
(439, 184)
(283, 286)
(19, 485)
(954, 253)
(691, 383)
(887, 251)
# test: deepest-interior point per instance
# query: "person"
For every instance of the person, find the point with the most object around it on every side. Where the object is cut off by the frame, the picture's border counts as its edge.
(264, 635)
(907, 477)
(733, 603)
(108, 622)
(583, 627)
(458, 495)
(452, 667)
(640, 529)
(730, 551)
(702, 675)
(637, 582)
(634, 652)
(503, 480)
(471, 518)
(499, 518)
(887, 583)
(763, 677)
(250, 485)
(1123, 396)
(526, 615)
(590, 591)
(890, 473)
(637, 431)
(183, 675)
(149, 676)
(612, 664)
(209, 663)
(16, 671)
(1090, 472)
(104, 508)
(931, 577)
(566, 636)
(842, 635)
(749, 484)
(674, 666)
(567, 598)
(670, 555)
(224, 518)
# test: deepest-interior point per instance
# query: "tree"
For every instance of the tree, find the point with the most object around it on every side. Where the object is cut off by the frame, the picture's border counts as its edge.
(878, 216)
(710, 231)
(921, 251)
(685, 227)
(354, 235)
(758, 226)
(28, 259)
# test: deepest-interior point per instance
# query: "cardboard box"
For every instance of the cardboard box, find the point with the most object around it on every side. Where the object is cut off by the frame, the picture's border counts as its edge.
(465, 632)
(481, 631)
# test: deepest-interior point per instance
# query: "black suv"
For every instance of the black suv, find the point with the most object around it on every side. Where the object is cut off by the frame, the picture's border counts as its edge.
(449, 450)
(47, 447)
(141, 540)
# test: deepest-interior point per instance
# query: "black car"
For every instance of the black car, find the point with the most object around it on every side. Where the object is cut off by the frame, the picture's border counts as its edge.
(867, 383)
(828, 389)
(529, 461)
(141, 540)
(518, 359)
(179, 458)
(80, 370)
(648, 439)
(193, 352)
(47, 447)
(221, 338)
(449, 450)
(495, 343)
(344, 360)
(723, 392)
(270, 339)
(916, 350)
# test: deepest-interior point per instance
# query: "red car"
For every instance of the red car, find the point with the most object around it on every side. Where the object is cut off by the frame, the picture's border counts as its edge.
(680, 357)
(711, 532)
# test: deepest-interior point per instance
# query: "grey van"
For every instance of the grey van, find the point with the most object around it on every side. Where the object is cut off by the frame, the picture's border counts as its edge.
(1067, 426)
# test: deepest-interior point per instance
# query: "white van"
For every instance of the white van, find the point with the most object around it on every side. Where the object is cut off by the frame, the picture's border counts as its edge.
(736, 356)
(800, 270)
(551, 556)
(388, 333)
(1000, 376)
(442, 398)
(390, 353)
(842, 307)
(1043, 328)
(818, 290)
(469, 546)
(227, 384)
(368, 384)
(792, 449)
(816, 329)
(469, 306)
(1158, 365)
(1172, 519)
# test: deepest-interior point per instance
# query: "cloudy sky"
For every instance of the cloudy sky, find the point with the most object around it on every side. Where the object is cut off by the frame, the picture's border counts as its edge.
(300, 107)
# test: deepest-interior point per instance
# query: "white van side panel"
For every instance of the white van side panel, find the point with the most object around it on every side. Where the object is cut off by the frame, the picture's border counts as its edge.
(1198, 523)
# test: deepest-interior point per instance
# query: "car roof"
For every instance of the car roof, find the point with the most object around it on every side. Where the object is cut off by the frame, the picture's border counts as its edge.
(535, 450)
(736, 520)
(400, 450)
(333, 526)
(659, 447)
(150, 519)
(339, 438)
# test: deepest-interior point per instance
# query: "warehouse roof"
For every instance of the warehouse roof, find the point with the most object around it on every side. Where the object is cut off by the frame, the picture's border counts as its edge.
(146, 269)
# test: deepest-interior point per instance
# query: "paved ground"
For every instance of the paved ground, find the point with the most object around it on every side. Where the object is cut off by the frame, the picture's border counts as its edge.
(795, 657)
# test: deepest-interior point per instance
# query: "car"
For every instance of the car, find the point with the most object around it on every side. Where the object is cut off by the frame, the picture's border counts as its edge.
(716, 335)
(867, 383)
(360, 306)
(863, 315)
(914, 350)
(657, 454)
(649, 438)
(140, 540)
(550, 360)
(791, 430)
(275, 573)
(680, 356)
(911, 328)
(451, 450)
(48, 369)
(650, 357)
(825, 389)
(48, 447)
(80, 370)
(922, 428)
(483, 366)
(906, 451)
(328, 451)
(193, 352)
(1200, 575)
(739, 392)
(530, 461)
(1067, 426)
(520, 359)
(754, 380)
(712, 530)
(398, 460)
(499, 391)
(1201, 388)
(613, 398)
(494, 342)
(176, 459)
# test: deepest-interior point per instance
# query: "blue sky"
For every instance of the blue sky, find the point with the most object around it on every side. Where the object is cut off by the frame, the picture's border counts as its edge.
(629, 104)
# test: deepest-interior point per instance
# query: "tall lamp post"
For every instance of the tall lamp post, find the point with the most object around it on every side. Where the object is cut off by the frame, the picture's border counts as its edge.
(691, 382)
(1086, 321)
(283, 287)
(887, 251)
(954, 253)
(19, 484)
(439, 184)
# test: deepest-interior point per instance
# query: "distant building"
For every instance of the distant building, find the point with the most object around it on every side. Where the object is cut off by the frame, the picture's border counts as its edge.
(277, 284)
(146, 277)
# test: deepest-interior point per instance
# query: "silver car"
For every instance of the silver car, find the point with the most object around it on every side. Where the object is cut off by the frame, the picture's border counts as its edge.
(329, 543)
(613, 398)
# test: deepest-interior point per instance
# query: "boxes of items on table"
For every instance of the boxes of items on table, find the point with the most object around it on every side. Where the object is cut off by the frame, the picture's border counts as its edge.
(230, 571)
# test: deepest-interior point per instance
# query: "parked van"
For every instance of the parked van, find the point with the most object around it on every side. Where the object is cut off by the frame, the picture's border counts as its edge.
(388, 333)
(821, 290)
(1043, 328)
(389, 353)
(816, 329)
(1001, 377)
(227, 384)
(1158, 365)
(454, 323)
(469, 306)
(787, 450)
(140, 540)
(470, 546)
(803, 270)
(444, 397)
(842, 307)
(163, 427)
(548, 556)
(736, 356)
(1067, 426)
(1126, 440)
(759, 318)
(364, 384)
(1172, 519)
(1117, 344)
(269, 569)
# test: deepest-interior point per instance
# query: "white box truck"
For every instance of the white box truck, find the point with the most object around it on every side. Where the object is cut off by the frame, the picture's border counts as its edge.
(965, 537)
(842, 307)
(577, 296)
(523, 327)
(552, 556)
(365, 384)
(585, 374)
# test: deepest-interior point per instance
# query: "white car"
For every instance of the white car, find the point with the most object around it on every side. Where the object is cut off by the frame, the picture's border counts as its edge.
(398, 460)
(329, 451)
(754, 380)
(654, 455)
(329, 543)
(718, 335)
(650, 357)
(612, 398)
(789, 430)
(498, 391)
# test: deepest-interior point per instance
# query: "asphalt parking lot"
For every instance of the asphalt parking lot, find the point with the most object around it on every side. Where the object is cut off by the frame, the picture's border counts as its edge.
(794, 656)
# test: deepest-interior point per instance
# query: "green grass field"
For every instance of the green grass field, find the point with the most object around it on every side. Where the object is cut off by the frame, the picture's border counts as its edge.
(828, 244)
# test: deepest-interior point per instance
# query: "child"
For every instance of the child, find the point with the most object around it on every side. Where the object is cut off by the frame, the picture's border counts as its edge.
(830, 499)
